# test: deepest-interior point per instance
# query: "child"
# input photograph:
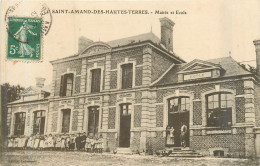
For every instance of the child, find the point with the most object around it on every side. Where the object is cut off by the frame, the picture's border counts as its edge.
(19, 142)
(96, 146)
(32, 141)
(28, 146)
(72, 142)
(15, 144)
(45, 142)
(50, 142)
(41, 145)
(10, 143)
(62, 143)
(67, 142)
(88, 144)
(101, 144)
(36, 141)
(23, 142)
(92, 143)
(58, 142)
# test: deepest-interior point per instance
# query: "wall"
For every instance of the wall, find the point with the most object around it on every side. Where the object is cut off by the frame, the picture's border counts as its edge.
(238, 140)
(28, 108)
(160, 63)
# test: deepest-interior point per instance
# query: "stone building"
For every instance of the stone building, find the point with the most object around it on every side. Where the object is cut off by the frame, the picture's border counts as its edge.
(134, 90)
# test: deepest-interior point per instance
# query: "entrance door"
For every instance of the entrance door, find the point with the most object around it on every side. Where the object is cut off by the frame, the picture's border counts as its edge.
(176, 121)
(125, 125)
(93, 121)
(178, 115)
(66, 121)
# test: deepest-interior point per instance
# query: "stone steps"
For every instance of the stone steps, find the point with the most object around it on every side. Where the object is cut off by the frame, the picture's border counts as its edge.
(182, 152)
(124, 151)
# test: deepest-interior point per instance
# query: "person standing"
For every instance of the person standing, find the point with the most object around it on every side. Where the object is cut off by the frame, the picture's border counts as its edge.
(78, 141)
(184, 130)
(83, 141)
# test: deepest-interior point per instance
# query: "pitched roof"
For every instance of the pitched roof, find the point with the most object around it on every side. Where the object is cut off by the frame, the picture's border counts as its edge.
(135, 39)
(31, 90)
(230, 66)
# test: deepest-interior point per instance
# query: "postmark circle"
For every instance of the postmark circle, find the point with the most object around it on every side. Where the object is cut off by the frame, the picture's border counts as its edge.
(38, 11)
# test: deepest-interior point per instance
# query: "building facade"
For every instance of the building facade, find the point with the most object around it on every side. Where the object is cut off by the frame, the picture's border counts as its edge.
(133, 91)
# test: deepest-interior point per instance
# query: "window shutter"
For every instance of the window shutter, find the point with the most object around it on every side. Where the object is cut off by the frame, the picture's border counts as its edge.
(61, 85)
(72, 77)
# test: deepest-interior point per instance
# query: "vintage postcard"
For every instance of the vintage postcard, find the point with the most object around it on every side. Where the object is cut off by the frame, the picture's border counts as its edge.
(130, 83)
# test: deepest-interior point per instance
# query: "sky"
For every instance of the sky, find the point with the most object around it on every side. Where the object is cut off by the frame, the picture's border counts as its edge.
(209, 29)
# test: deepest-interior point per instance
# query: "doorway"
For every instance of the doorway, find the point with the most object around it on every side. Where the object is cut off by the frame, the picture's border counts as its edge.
(177, 120)
(125, 125)
(93, 121)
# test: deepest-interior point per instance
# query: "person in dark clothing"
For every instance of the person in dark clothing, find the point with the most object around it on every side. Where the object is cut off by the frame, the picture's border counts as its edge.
(83, 141)
(78, 142)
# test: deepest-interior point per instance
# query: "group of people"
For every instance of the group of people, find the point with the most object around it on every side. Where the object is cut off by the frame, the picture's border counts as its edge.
(59, 142)
(171, 134)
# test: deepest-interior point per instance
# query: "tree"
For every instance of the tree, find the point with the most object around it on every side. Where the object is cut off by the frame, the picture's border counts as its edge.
(9, 93)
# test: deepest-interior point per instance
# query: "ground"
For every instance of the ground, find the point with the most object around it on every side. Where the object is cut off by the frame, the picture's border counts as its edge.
(56, 158)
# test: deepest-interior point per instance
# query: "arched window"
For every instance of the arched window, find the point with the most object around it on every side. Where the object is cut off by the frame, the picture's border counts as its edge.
(219, 109)
(179, 104)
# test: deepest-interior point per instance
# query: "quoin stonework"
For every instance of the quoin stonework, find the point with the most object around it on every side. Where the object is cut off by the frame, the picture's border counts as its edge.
(134, 91)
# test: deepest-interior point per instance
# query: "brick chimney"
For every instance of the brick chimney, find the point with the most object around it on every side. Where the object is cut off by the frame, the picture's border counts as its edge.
(257, 50)
(83, 43)
(167, 33)
(39, 82)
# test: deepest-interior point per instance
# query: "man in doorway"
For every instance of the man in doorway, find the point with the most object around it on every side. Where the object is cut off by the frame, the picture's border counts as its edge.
(184, 130)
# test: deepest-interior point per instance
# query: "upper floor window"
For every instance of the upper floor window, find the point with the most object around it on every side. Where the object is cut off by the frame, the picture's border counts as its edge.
(19, 124)
(95, 80)
(39, 122)
(219, 110)
(66, 87)
(127, 75)
(179, 104)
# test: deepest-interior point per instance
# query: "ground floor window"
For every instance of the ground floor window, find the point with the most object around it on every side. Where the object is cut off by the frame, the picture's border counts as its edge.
(93, 121)
(19, 124)
(39, 122)
(66, 120)
(219, 110)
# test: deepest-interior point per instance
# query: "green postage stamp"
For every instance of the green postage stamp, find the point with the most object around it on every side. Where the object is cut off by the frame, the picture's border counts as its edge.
(24, 38)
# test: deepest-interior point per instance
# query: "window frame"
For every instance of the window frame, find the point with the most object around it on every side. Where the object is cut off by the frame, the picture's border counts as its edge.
(97, 108)
(62, 118)
(34, 118)
(179, 109)
(129, 110)
(125, 75)
(100, 80)
(220, 109)
(64, 84)
(15, 123)
(119, 74)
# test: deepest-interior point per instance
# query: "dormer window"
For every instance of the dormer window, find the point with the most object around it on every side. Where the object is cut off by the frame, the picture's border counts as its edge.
(66, 87)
